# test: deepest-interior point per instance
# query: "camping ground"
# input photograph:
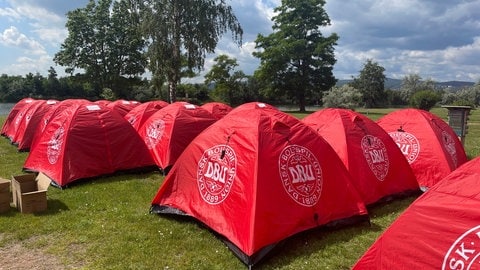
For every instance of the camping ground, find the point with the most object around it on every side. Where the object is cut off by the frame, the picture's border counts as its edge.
(105, 224)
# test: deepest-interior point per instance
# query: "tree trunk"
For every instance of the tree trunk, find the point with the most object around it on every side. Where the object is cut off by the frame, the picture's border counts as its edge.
(172, 91)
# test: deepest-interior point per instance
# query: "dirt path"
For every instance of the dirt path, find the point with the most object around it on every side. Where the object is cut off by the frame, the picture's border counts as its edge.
(18, 257)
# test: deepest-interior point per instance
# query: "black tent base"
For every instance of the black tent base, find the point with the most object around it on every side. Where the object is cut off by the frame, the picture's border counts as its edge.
(254, 259)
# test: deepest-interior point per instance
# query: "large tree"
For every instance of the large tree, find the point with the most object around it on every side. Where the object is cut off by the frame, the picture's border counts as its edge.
(227, 81)
(103, 40)
(180, 35)
(371, 83)
(296, 59)
(413, 83)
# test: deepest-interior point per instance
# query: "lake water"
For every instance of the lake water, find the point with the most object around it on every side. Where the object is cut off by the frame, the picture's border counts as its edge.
(5, 108)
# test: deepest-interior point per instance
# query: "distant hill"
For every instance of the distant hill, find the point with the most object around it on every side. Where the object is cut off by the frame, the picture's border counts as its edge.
(396, 84)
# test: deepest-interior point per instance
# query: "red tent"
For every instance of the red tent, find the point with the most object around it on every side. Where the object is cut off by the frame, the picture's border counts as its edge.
(20, 110)
(218, 109)
(428, 142)
(8, 125)
(377, 166)
(28, 125)
(138, 115)
(86, 140)
(52, 112)
(122, 106)
(168, 131)
(440, 230)
(256, 177)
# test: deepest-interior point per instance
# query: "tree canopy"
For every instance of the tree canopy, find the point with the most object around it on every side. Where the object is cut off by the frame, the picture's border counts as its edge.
(371, 83)
(296, 59)
(227, 81)
(104, 43)
(181, 33)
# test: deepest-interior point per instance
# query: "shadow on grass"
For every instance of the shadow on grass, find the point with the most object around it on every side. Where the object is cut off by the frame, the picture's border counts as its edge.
(53, 207)
(307, 243)
(114, 177)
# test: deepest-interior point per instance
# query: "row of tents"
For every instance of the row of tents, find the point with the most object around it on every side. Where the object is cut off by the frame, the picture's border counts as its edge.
(253, 174)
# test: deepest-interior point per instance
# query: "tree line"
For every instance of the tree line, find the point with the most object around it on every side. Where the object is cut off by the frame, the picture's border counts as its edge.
(113, 44)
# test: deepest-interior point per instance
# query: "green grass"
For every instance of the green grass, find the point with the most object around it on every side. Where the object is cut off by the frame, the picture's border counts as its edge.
(105, 224)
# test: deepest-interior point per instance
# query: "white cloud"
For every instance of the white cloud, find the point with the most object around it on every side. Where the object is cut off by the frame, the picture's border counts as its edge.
(436, 39)
(11, 37)
(24, 65)
(52, 35)
(9, 13)
(34, 12)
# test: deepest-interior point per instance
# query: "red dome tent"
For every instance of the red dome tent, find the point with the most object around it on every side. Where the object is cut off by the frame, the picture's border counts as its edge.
(169, 130)
(86, 140)
(122, 106)
(20, 110)
(378, 168)
(218, 109)
(256, 177)
(138, 115)
(440, 230)
(28, 125)
(52, 112)
(429, 143)
(8, 126)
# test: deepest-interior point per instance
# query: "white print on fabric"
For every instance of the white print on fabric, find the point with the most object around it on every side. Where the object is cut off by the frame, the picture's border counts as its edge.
(18, 118)
(449, 144)
(54, 145)
(216, 173)
(154, 133)
(301, 175)
(464, 252)
(376, 155)
(132, 120)
(408, 144)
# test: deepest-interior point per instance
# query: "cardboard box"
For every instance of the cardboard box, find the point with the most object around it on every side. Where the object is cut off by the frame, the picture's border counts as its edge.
(30, 192)
(5, 196)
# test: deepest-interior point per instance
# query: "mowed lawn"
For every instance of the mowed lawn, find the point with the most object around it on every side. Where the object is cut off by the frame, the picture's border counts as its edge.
(105, 224)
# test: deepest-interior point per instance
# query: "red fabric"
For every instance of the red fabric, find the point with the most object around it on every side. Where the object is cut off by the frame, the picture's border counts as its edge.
(440, 230)
(428, 142)
(85, 140)
(276, 178)
(168, 131)
(138, 115)
(19, 111)
(377, 166)
(52, 112)
(28, 125)
(7, 128)
(121, 106)
(218, 109)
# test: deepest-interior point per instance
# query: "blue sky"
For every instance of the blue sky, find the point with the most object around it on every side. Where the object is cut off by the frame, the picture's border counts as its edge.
(439, 40)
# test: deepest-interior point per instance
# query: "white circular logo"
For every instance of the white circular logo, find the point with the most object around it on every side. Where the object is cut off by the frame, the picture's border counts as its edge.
(449, 144)
(216, 173)
(465, 252)
(154, 133)
(54, 146)
(407, 143)
(301, 175)
(376, 155)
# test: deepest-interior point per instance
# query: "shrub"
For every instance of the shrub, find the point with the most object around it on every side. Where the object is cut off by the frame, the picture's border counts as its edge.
(345, 97)
(425, 99)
